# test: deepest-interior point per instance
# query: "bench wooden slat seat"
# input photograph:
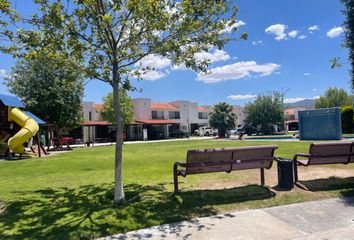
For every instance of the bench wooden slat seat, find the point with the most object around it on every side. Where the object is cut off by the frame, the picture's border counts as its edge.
(225, 160)
(325, 153)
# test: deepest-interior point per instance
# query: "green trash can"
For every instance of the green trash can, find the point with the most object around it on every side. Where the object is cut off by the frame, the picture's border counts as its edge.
(285, 173)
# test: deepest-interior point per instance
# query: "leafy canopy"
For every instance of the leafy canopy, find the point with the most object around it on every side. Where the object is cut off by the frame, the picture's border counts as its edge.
(347, 119)
(126, 106)
(265, 111)
(334, 97)
(222, 118)
(50, 90)
(111, 36)
(349, 33)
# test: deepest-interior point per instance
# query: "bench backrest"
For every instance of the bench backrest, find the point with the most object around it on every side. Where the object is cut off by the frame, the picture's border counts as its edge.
(327, 153)
(234, 158)
(254, 157)
(205, 156)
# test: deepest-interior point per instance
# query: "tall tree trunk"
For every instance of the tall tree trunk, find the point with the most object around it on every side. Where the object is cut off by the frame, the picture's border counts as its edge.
(119, 196)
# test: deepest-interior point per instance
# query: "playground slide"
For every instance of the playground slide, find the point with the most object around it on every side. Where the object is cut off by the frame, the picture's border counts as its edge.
(28, 130)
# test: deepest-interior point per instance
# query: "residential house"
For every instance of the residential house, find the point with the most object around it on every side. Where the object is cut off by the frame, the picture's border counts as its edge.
(158, 119)
(152, 120)
(291, 113)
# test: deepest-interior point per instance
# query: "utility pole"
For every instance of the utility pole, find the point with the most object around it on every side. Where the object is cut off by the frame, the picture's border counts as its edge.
(283, 92)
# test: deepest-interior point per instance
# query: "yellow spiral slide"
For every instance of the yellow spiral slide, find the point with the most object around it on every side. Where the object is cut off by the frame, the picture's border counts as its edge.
(28, 130)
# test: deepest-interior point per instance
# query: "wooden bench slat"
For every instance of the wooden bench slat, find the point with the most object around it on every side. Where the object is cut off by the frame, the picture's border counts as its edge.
(325, 153)
(226, 160)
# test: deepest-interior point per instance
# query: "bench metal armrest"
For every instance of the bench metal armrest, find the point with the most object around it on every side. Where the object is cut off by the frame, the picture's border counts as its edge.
(180, 164)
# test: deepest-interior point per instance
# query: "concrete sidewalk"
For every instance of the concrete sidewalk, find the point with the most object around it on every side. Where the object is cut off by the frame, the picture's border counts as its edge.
(327, 219)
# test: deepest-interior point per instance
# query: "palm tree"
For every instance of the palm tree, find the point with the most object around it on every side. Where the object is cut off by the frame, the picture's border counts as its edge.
(222, 118)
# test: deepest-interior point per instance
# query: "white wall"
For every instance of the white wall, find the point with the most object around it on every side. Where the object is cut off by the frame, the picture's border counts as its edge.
(88, 107)
(142, 108)
(241, 116)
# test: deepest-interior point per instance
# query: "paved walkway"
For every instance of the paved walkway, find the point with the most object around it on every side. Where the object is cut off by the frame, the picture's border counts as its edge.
(327, 219)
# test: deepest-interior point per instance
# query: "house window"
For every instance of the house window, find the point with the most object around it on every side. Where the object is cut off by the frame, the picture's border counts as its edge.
(90, 116)
(202, 115)
(157, 115)
(174, 115)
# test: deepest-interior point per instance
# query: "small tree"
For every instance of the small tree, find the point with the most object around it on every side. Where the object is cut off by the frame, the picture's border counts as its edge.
(126, 106)
(265, 111)
(111, 36)
(347, 119)
(333, 97)
(50, 90)
(222, 118)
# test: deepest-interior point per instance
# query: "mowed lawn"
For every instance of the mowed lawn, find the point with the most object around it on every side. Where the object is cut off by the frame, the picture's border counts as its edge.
(69, 196)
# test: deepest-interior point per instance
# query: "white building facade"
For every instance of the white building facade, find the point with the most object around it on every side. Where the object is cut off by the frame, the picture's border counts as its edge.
(153, 120)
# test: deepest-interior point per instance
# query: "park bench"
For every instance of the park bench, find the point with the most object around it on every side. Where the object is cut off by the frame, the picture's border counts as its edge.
(225, 160)
(324, 153)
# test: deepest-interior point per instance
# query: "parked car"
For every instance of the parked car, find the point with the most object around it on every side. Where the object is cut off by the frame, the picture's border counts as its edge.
(232, 133)
(178, 134)
(206, 131)
(250, 130)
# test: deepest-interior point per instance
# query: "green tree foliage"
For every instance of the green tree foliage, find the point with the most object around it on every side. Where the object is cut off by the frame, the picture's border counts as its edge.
(347, 119)
(51, 91)
(126, 106)
(111, 36)
(349, 32)
(333, 97)
(265, 111)
(222, 118)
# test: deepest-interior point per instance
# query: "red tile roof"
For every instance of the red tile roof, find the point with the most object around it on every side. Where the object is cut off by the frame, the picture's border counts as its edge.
(202, 109)
(157, 121)
(292, 121)
(289, 111)
(98, 107)
(163, 106)
(96, 123)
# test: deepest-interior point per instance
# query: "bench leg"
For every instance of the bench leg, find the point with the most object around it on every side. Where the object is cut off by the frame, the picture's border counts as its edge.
(175, 179)
(262, 177)
(296, 177)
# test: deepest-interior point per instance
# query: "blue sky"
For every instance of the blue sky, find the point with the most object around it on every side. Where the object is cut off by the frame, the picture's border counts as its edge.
(290, 44)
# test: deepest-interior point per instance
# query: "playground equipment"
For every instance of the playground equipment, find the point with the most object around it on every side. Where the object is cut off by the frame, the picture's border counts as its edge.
(28, 130)
(18, 128)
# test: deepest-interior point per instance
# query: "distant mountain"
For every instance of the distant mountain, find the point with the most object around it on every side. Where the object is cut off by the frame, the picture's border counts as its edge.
(302, 103)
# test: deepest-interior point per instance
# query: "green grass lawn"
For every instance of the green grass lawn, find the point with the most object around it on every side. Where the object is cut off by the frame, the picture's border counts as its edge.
(69, 196)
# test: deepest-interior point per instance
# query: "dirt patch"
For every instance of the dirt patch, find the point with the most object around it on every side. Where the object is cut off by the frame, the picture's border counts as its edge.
(246, 177)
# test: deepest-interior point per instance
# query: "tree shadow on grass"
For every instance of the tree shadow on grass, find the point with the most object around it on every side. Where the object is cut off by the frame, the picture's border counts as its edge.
(88, 211)
(345, 186)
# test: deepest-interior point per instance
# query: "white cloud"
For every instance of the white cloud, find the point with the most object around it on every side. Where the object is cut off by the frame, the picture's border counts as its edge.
(293, 33)
(228, 29)
(2, 73)
(335, 32)
(302, 37)
(241, 97)
(278, 30)
(181, 67)
(152, 75)
(237, 70)
(314, 89)
(307, 74)
(215, 56)
(313, 28)
(297, 99)
(153, 61)
(254, 43)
